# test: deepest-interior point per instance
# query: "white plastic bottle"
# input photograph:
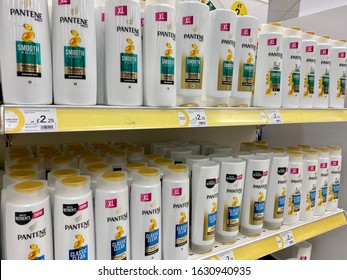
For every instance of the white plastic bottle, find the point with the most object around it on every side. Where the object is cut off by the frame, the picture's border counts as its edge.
(192, 23)
(131, 168)
(291, 62)
(322, 73)
(100, 49)
(142, 14)
(162, 163)
(291, 214)
(307, 69)
(74, 52)
(123, 52)
(26, 52)
(95, 170)
(334, 177)
(205, 184)
(160, 53)
(175, 203)
(276, 193)
(267, 88)
(232, 180)
(180, 155)
(220, 54)
(28, 222)
(244, 62)
(309, 184)
(112, 217)
(73, 219)
(226, 150)
(322, 181)
(254, 196)
(145, 215)
(117, 159)
(338, 69)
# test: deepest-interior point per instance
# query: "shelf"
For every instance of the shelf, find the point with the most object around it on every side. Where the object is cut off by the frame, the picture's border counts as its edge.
(250, 248)
(21, 119)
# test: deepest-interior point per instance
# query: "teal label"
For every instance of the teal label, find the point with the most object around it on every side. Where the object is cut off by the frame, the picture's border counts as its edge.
(296, 81)
(225, 75)
(79, 254)
(119, 248)
(310, 79)
(75, 62)
(275, 78)
(211, 6)
(342, 85)
(326, 80)
(167, 70)
(193, 69)
(128, 68)
(28, 55)
(247, 73)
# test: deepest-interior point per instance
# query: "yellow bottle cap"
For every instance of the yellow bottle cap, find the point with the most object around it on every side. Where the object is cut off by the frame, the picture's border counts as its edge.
(326, 36)
(148, 172)
(306, 147)
(117, 153)
(334, 148)
(23, 174)
(163, 161)
(310, 151)
(178, 167)
(114, 176)
(97, 167)
(20, 166)
(92, 160)
(293, 148)
(324, 150)
(275, 23)
(29, 160)
(310, 32)
(153, 156)
(62, 160)
(135, 165)
(29, 187)
(295, 153)
(135, 149)
(279, 150)
(61, 173)
(74, 181)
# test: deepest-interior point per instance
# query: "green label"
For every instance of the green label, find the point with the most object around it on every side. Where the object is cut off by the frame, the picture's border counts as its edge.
(310, 79)
(275, 77)
(248, 70)
(210, 4)
(75, 62)
(326, 80)
(167, 70)
(193, 66)
(296, 81)
(128, 68)
(343, 85)
(28, 56)
(225, 75)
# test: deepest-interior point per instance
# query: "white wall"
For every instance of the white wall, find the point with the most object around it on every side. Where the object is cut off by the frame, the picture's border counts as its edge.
(314, 6)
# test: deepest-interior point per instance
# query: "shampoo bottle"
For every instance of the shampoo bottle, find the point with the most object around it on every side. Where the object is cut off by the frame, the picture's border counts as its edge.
(322, 181)
(334, 177)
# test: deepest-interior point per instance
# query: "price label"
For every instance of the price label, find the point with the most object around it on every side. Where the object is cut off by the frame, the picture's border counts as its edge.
(271, 116)
(192, 118)
(240, 8)
(225, 256)
(26, 120)
(285, 239)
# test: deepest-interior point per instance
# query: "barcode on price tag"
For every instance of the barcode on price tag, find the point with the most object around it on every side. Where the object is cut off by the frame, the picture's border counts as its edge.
(271, 116)
(192, 118)
(26, 120)
(285, 239)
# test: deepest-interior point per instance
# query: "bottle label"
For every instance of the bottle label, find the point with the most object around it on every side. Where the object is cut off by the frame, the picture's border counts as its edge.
(247, 75)
(257, 212)
(324, 86)
(192, 72)
(210, 225)
(231, 218)
(294, 204)
(225, 73)
(296, 82)
(28, 56)
(313, 198)
(119, 248)
(75, 62)
(341, 86)
(309, 85)
(181, 234)
(167, 67)
(279, 206)
(248, 54)
(273, 79)
(79, 253)
(151, 242)
(128, 65)
(334, 192)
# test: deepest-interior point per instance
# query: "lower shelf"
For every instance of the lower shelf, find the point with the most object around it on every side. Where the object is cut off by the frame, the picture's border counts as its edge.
(270, 241)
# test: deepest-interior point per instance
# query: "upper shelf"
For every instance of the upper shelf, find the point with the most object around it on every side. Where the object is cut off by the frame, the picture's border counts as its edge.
(32, 119)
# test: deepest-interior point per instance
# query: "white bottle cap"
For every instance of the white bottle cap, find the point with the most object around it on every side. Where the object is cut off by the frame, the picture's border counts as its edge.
(278, 155)
(323, 39)
(176, 172)
(310, 154)
(243, 155)
(334, 150)
(226, 150)
(171, 3)
(143, 4)
(322, 152)
(147, 176)
(219, 157)
(295, 156)
(108, 180)
(273, 27)
(73, 186)
(339, 43)
(27, 192)
(99, 3)
(292, 31)
(308, 36)
(194, 147)
(116, 157)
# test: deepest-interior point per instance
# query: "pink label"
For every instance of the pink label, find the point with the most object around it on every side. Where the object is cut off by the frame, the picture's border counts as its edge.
(265, 173)
(312, 168)
(342, 54)
(111, 203)
(239, 177)
(176, 192)
(188, 20)
(64, 2)
(294, 45)
(121, 10)
(294, 171)
(225, 27)
(324, 51)
(83, 206)
(309, 48)
(217, 180)
(303, 258)
(334, 163)
(145, 197)
(102, 17)
(161, 16)
(39, 213)
(245, 32)
(272, 42)
(142, 21)
(324, 165)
